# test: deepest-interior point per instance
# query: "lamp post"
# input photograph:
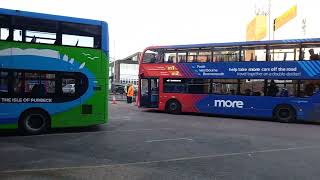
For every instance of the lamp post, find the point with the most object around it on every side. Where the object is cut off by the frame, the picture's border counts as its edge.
(269, 17)
(304, 27)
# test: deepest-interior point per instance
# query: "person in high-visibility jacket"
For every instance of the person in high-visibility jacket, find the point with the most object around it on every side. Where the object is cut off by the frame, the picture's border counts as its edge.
(130, 93)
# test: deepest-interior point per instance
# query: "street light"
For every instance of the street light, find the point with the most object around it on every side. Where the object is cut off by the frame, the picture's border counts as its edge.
(269, 14)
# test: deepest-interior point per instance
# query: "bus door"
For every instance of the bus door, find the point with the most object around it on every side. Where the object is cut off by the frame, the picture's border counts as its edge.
(149, 92)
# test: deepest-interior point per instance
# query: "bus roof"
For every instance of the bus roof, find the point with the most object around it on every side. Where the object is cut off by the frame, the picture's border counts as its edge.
(50, 17)
(245, 43)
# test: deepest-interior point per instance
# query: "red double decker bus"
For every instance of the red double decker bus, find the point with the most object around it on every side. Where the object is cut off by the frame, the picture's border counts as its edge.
(234, 78)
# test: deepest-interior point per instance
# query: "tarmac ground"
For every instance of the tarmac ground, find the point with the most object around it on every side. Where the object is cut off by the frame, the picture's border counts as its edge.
(139, 144)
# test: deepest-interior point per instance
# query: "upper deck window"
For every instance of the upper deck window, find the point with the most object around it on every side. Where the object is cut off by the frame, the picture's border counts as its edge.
(170, 57)
(82, 35)
(310, 51)
(182, 57)
(4, 21)
(199, 56)
(81, 41)
(192, 56)
(226, 54)
(4, 27)
(270, 51)
(254, 53)
(151, 56)
(17, 35)
(40, 37)
(4, 33)
(204, 56)
(284, 52)
(33, 30)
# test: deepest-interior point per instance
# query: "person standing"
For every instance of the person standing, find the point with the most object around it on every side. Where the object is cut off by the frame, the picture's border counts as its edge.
(126, 92)
(310, 89)
(130, 93)
(313, 56)
(273, 89)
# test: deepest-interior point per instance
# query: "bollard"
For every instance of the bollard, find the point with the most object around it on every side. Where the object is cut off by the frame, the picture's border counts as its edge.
(136, 101)
(114, 99)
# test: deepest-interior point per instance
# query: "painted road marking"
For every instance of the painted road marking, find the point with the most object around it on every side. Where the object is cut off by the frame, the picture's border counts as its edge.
(175, 139)
(92, 132)
(163, 161)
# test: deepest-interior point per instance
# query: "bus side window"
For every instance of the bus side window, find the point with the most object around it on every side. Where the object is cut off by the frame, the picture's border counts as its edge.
(312, 51)
(49, 83)
(74, 40)
(224, 86)
(254, 53)
(4, 27)
(80, 35)
(4, 82)
(4, 33)
(198, 86)
(282, 88)
(226, 54)
(18, 83)
(302, 55)
(170, 58)
(40, 37)
(68, 86)
(182, 57)
(286, 52)
(17, 35)
(174, 86)
(204, 56)
(39, 84)
(192, 56)
(309, 87)
(252, 87)
(151, 57)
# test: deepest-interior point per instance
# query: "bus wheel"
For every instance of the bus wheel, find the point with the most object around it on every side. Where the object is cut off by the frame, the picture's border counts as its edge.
(173, 107)
(34, 122)
(285, 114)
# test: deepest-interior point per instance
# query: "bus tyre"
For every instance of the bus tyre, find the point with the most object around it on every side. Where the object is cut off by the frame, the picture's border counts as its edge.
(34, 122)
(285, 114)
(173, 107)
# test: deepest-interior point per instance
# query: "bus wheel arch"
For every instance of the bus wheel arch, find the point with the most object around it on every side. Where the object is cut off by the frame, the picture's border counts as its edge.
(284, 113)
(34, 121)
(173, 106)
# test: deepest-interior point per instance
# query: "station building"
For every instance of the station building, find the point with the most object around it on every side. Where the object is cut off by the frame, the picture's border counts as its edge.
(124, 71)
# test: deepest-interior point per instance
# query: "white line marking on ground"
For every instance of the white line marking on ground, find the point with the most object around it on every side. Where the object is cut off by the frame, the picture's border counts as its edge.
(91, 132)
(162, 161)
(175, 139)
(134, 130)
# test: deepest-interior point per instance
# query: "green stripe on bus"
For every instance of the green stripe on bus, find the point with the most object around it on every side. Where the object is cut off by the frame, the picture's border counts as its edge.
(8, 126)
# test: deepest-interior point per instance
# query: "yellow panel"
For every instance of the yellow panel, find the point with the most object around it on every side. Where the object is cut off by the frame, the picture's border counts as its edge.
(257, 28)
(250, 36)
(261, 27)
(286, 17)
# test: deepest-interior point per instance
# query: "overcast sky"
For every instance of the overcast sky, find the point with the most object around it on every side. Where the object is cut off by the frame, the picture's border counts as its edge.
(136, 24)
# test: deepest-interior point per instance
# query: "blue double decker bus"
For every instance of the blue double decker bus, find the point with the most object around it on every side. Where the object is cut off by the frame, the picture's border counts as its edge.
(53, 71)
(278, 79)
